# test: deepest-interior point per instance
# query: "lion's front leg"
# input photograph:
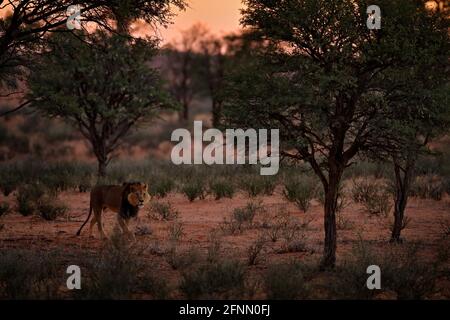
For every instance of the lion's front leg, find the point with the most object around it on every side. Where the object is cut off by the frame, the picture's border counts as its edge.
(124, 226)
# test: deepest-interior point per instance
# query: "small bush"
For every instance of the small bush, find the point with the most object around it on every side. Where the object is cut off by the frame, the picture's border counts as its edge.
(373, 195)
(343, 223)
(428, 187)
(143, 230)
(291, 232)
(194, 190)
(219, 280)
(50, 209)
(253, 185)
(285, 282)
(300, 191)
(27, 198)
(255, 251)
(9, 181)
(222, 189)
(162, 211)
(241, 218)
(182, 260)
(25, 274)
(402, 273)
(4, 208)
(176, 232)
(113, 274)
(161, 187)
(246, 214)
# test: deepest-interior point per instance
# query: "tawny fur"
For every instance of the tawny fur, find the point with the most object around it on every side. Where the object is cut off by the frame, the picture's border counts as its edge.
(126, 200)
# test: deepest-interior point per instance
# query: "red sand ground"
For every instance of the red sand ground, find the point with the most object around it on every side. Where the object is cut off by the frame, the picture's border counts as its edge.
(203, 216)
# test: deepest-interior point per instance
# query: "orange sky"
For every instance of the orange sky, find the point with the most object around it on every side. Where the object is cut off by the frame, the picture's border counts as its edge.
(219, 15)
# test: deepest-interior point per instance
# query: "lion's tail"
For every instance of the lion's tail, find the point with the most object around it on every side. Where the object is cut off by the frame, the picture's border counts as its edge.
(89, 215)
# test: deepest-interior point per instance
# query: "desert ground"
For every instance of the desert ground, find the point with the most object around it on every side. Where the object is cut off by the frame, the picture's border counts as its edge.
(172, 247)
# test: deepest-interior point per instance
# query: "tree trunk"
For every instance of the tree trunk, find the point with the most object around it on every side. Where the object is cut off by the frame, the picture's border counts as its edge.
(101, 168)
(331, 195)
(185, 111)
(402, 186)
(216, 112)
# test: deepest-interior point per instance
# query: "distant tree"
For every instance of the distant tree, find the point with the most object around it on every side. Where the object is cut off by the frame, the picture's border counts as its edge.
(214, 54)
(183, 66)
(319, 82)
(420, 100)
(103, 90)
(25, 30)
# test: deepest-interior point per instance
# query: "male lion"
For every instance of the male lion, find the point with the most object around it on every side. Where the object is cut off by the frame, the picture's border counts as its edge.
(126, 200)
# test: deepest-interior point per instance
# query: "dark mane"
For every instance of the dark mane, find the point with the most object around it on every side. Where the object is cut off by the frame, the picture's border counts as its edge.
(126, 209)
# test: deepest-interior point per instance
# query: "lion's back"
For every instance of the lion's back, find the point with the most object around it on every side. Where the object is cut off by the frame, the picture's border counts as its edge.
(106, 196)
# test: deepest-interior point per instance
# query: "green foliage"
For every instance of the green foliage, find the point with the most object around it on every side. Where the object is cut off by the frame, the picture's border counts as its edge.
(301, 191)
(402, 273)
(161, 186)
(222, 279)
(194, 189)
(428, 187)
(286, 282)
(26, 274)
(4, 208)
(373, 195)
(163, 211)
(111, 86)
(50, 209)
(27, 197)
(222, 189)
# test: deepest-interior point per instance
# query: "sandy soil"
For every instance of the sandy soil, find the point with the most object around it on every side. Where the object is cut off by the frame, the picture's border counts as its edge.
(202, 217)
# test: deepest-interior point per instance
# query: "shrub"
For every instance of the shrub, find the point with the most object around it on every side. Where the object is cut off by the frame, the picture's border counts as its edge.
(4, 208)
(343, 223)
(176, 231)
(373, 195)
(162, 211)
(27, 197)
(113, 273)
(194, 190)
(253, 185)
(222, 279)
(300, 191)
(161, 187)
(9, 180)
(222, 189)
(292, 234)
(143, 230)
(244, 216)
(50, 209)
(26, 274)
(285, 282)
(402, 273)
(428, 187)
(255, 251)
(379, 204)
(181, 260)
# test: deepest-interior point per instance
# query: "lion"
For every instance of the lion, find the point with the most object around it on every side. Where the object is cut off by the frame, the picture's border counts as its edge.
(126, 200)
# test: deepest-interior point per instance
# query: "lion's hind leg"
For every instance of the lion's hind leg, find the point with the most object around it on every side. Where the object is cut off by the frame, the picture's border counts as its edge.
(98, 218)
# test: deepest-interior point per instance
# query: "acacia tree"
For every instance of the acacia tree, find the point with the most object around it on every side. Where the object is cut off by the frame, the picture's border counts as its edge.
(25, 29)
(420, 98)
(183, 64)
(319, 82)
(103, 90)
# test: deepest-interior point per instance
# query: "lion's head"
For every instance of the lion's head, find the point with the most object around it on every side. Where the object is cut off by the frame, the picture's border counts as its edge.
(135, 196)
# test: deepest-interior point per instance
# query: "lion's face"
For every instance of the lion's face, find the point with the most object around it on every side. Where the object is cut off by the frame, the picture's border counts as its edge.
(138, 195)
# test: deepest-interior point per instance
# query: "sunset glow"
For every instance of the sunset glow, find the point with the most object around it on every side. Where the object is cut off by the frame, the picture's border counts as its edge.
(221, 16)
